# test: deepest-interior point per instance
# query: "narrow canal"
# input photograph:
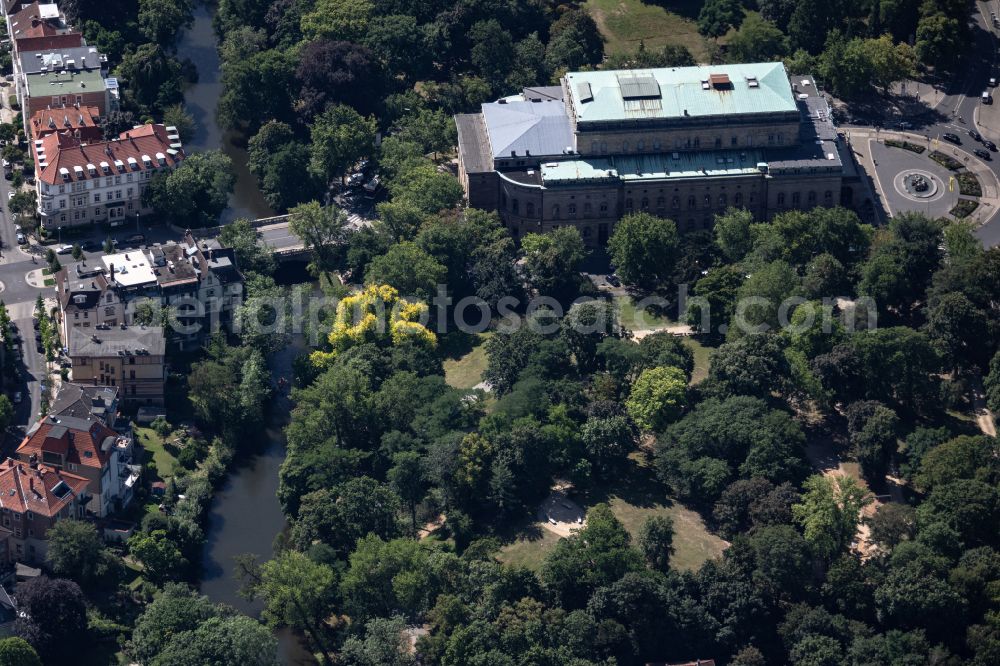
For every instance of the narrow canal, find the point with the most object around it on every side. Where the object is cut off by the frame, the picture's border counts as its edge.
(199, 45)
(245, 516)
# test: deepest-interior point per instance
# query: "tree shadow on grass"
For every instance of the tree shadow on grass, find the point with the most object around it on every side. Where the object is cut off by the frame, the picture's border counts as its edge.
(642, 489)
(457, 344)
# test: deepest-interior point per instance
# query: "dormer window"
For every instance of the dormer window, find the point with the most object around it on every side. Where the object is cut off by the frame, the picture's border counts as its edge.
(162, 159)
(64, 172)
(120, 166)
(106, 168)
(78, 170)
(92, 170)
(133, 163)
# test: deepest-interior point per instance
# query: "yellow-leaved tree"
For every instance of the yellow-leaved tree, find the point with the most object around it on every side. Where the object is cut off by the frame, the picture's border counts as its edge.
(376, 315)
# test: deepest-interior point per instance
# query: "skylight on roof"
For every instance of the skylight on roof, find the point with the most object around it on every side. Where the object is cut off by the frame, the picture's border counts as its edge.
(638, 87)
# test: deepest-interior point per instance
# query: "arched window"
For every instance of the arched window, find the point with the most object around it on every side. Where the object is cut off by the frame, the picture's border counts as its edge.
(718, 142)
(514, 206)
(691, 203)
(828, 197)
(628, 204)
(722, 200)
(738, 199)
(660, 202)
(529, 209)
(624, 146)
(708, 200)
(555, 211)
(697, 142)
(781, 198)
(811, 198)
(640, 146)
(675, 202)
(587, 208)
(604, 207)
(571, 209)
(796, 198)
(645, 203)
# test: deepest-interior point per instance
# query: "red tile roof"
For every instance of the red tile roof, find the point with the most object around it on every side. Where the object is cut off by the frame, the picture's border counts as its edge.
(80, 441)
(62, 158)
(28, 23)
(43, 490)
(67, 119)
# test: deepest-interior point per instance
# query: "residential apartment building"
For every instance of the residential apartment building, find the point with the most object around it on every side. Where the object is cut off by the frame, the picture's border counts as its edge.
(130, 358)
(83, 123)
(83, 183)
(33, 497)
(684, 143)
(197, 280)
(39, 27)
(85, 401)
(88, 449)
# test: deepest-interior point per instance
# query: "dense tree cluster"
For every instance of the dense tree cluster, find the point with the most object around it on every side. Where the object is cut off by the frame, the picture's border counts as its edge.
(857, 48)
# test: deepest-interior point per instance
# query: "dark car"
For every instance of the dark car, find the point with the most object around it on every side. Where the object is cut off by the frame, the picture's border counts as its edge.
(952, 137)
(992, 146)
(982, 154)
(975, 135)
(613, 280)
(135, 239)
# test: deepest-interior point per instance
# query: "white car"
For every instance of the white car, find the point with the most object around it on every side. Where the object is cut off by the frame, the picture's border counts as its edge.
(64, 249)
(10, 195)
(21, 239)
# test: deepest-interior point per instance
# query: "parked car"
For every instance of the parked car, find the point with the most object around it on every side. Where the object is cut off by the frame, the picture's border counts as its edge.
(975, 135)
(986, 97)
(982, 154)
(356, 180)
(372, 185)
(135, 239)
(904, 125)
(989, 144)
(993, 82)
(64, 249)
(21, 239)
(953, 138)
(17, 397)
(10, 195)
(613, 280)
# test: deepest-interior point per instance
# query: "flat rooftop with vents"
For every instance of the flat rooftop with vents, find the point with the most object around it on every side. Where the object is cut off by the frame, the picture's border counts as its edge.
(65, 82)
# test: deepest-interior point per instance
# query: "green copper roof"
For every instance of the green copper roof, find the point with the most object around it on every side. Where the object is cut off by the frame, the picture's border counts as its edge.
(666, 166)
(678, 92)
(73, 82)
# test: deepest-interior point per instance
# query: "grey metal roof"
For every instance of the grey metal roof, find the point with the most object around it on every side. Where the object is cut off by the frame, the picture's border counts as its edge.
(83, 57)
(662, 166)
(543, 93)
(473, 144)
(622, 95)
(538, 128)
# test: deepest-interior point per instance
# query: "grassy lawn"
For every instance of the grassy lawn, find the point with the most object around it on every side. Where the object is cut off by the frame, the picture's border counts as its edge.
(155, 446)
(634, 318)
(632, 503)
(529, 550)
(624, 23)
(465, 359)
(701, 359)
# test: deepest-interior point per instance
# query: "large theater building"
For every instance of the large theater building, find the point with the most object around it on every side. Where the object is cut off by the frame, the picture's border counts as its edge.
(684, 143)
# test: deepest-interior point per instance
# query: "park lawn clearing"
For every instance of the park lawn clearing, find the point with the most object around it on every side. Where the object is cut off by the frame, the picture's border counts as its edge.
(466, 371)
(632, 503)
(702, 357)
(626, 23)
(154, 445)
(632, 317)
(529, 550)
